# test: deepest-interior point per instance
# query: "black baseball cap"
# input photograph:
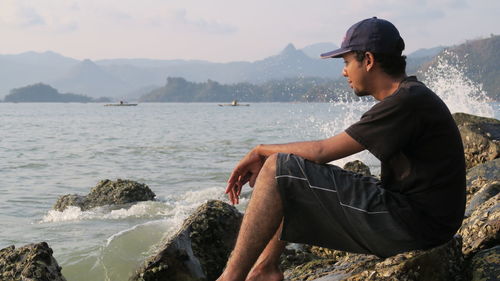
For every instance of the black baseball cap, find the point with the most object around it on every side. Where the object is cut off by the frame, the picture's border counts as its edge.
(371, 35)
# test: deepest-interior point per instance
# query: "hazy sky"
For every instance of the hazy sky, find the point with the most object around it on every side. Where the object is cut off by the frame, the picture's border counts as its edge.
(226, 30)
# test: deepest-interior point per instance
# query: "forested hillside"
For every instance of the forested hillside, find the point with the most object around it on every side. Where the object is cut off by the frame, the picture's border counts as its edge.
(44, 93)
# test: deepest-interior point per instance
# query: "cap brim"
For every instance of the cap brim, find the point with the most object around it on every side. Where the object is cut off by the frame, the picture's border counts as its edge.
(335, 53)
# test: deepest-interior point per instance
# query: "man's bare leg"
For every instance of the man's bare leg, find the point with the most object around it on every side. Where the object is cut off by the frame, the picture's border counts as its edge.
(261, 221)
(267, 265)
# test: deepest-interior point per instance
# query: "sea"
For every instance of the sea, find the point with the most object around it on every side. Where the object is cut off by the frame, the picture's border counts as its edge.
(183, 151)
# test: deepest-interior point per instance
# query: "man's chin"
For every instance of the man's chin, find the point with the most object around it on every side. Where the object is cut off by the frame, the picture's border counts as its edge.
(361, 93)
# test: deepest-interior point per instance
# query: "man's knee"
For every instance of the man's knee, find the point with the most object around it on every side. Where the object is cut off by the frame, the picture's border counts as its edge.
(270, 163)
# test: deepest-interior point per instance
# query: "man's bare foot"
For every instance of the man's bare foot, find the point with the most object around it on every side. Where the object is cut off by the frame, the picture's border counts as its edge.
(260, 273)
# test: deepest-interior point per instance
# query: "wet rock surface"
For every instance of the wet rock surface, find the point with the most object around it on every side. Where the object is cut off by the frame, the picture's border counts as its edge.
(480, 136)
(33, 262)
(199, 250)
(358, 167)
(107, 192)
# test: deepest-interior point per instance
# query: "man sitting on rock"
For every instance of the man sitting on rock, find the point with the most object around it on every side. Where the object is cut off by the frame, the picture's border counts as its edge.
(417, 204)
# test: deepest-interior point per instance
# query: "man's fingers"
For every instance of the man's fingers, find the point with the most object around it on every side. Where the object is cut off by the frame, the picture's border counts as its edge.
(242, 182)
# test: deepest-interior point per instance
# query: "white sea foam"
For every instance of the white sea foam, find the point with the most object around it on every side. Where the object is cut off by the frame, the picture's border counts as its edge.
(176, 207)
(447, 77)
(139, 210)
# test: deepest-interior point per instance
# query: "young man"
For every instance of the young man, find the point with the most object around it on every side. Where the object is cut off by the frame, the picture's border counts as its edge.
(419, 201)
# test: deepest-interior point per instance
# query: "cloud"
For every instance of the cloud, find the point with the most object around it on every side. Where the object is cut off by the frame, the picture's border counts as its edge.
(202, 25)
(14, 13)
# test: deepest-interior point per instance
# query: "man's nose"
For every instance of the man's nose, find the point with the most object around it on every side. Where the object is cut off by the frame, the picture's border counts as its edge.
(344, 72)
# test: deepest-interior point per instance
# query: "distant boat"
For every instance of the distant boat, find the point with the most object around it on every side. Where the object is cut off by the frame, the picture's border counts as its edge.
(234, 103)
(121, 104)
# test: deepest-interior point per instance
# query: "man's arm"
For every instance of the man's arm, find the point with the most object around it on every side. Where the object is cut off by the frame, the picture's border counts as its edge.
(321, 152)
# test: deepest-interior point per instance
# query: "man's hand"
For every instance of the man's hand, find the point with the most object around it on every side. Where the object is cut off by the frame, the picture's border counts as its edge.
(246, 171)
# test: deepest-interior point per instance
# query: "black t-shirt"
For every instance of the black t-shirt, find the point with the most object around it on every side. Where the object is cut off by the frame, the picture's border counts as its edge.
(418, 143)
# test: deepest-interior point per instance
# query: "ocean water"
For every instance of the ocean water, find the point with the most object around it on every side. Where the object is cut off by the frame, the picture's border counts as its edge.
(183, 151)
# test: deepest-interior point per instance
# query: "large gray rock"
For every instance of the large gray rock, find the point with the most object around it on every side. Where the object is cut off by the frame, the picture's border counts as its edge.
(485, 265)
(33, 262)
(107, 192)
(481, 138)
(199, 250)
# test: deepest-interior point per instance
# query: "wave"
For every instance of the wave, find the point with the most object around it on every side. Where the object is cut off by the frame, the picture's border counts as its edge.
(177, 207)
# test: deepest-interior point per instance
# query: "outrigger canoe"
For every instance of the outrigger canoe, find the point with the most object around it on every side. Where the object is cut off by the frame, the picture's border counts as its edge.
(121, 104)
(234, 103)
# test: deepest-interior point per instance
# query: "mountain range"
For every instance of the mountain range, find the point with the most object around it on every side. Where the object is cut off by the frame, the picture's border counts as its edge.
(129, 79)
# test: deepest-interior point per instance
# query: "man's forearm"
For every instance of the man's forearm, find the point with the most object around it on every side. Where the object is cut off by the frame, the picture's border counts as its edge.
(320, 151)
(309, 150)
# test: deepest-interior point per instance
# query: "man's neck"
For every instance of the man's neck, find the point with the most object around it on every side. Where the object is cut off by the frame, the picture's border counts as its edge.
(386, 85)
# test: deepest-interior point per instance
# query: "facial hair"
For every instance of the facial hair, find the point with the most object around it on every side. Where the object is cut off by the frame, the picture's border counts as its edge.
(361, 93)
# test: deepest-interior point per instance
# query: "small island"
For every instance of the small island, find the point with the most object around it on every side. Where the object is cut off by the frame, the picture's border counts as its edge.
(44, 93)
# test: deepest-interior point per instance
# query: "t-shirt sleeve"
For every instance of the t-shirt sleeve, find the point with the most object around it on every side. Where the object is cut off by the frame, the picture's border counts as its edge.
(386, 128)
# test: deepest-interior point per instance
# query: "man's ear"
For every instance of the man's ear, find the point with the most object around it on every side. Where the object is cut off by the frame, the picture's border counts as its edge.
(369, 61)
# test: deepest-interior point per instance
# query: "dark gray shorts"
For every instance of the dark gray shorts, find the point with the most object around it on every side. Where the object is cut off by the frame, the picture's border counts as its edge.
(327, 206)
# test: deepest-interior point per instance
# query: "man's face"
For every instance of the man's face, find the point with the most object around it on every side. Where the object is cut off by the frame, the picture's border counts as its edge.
(355, 74)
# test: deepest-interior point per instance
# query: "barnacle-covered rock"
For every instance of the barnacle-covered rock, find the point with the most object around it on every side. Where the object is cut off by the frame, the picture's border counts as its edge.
(199, 250)
(107, 192)
(481, 229)
(486, 190)
(33, 262)
(444, 262)
(480, 136)
(486, 171)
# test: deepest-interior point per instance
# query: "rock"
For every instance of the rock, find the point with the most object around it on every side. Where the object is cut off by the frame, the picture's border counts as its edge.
(337, 268)
(199, 250)
(480, 136)
(485, 265)
(358, 167)
(70, 200)
(488, 171)
(444, 262)
(481, 229)
(481, 175)
(487, 190)
(33, 262)
(107, 192)
(296, 254)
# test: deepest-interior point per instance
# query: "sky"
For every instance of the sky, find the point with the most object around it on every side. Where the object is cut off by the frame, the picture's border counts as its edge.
(227, 30)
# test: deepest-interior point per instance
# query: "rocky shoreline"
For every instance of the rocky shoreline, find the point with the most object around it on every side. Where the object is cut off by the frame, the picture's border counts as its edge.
(199, 249)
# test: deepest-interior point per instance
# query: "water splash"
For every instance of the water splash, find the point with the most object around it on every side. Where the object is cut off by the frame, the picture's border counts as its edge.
(447, 78)
(145, 209)
(175, 206)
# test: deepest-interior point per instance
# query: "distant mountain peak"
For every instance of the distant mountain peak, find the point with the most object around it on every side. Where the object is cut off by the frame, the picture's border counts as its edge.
(289, 49)
(88, 61)
(87, 65)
